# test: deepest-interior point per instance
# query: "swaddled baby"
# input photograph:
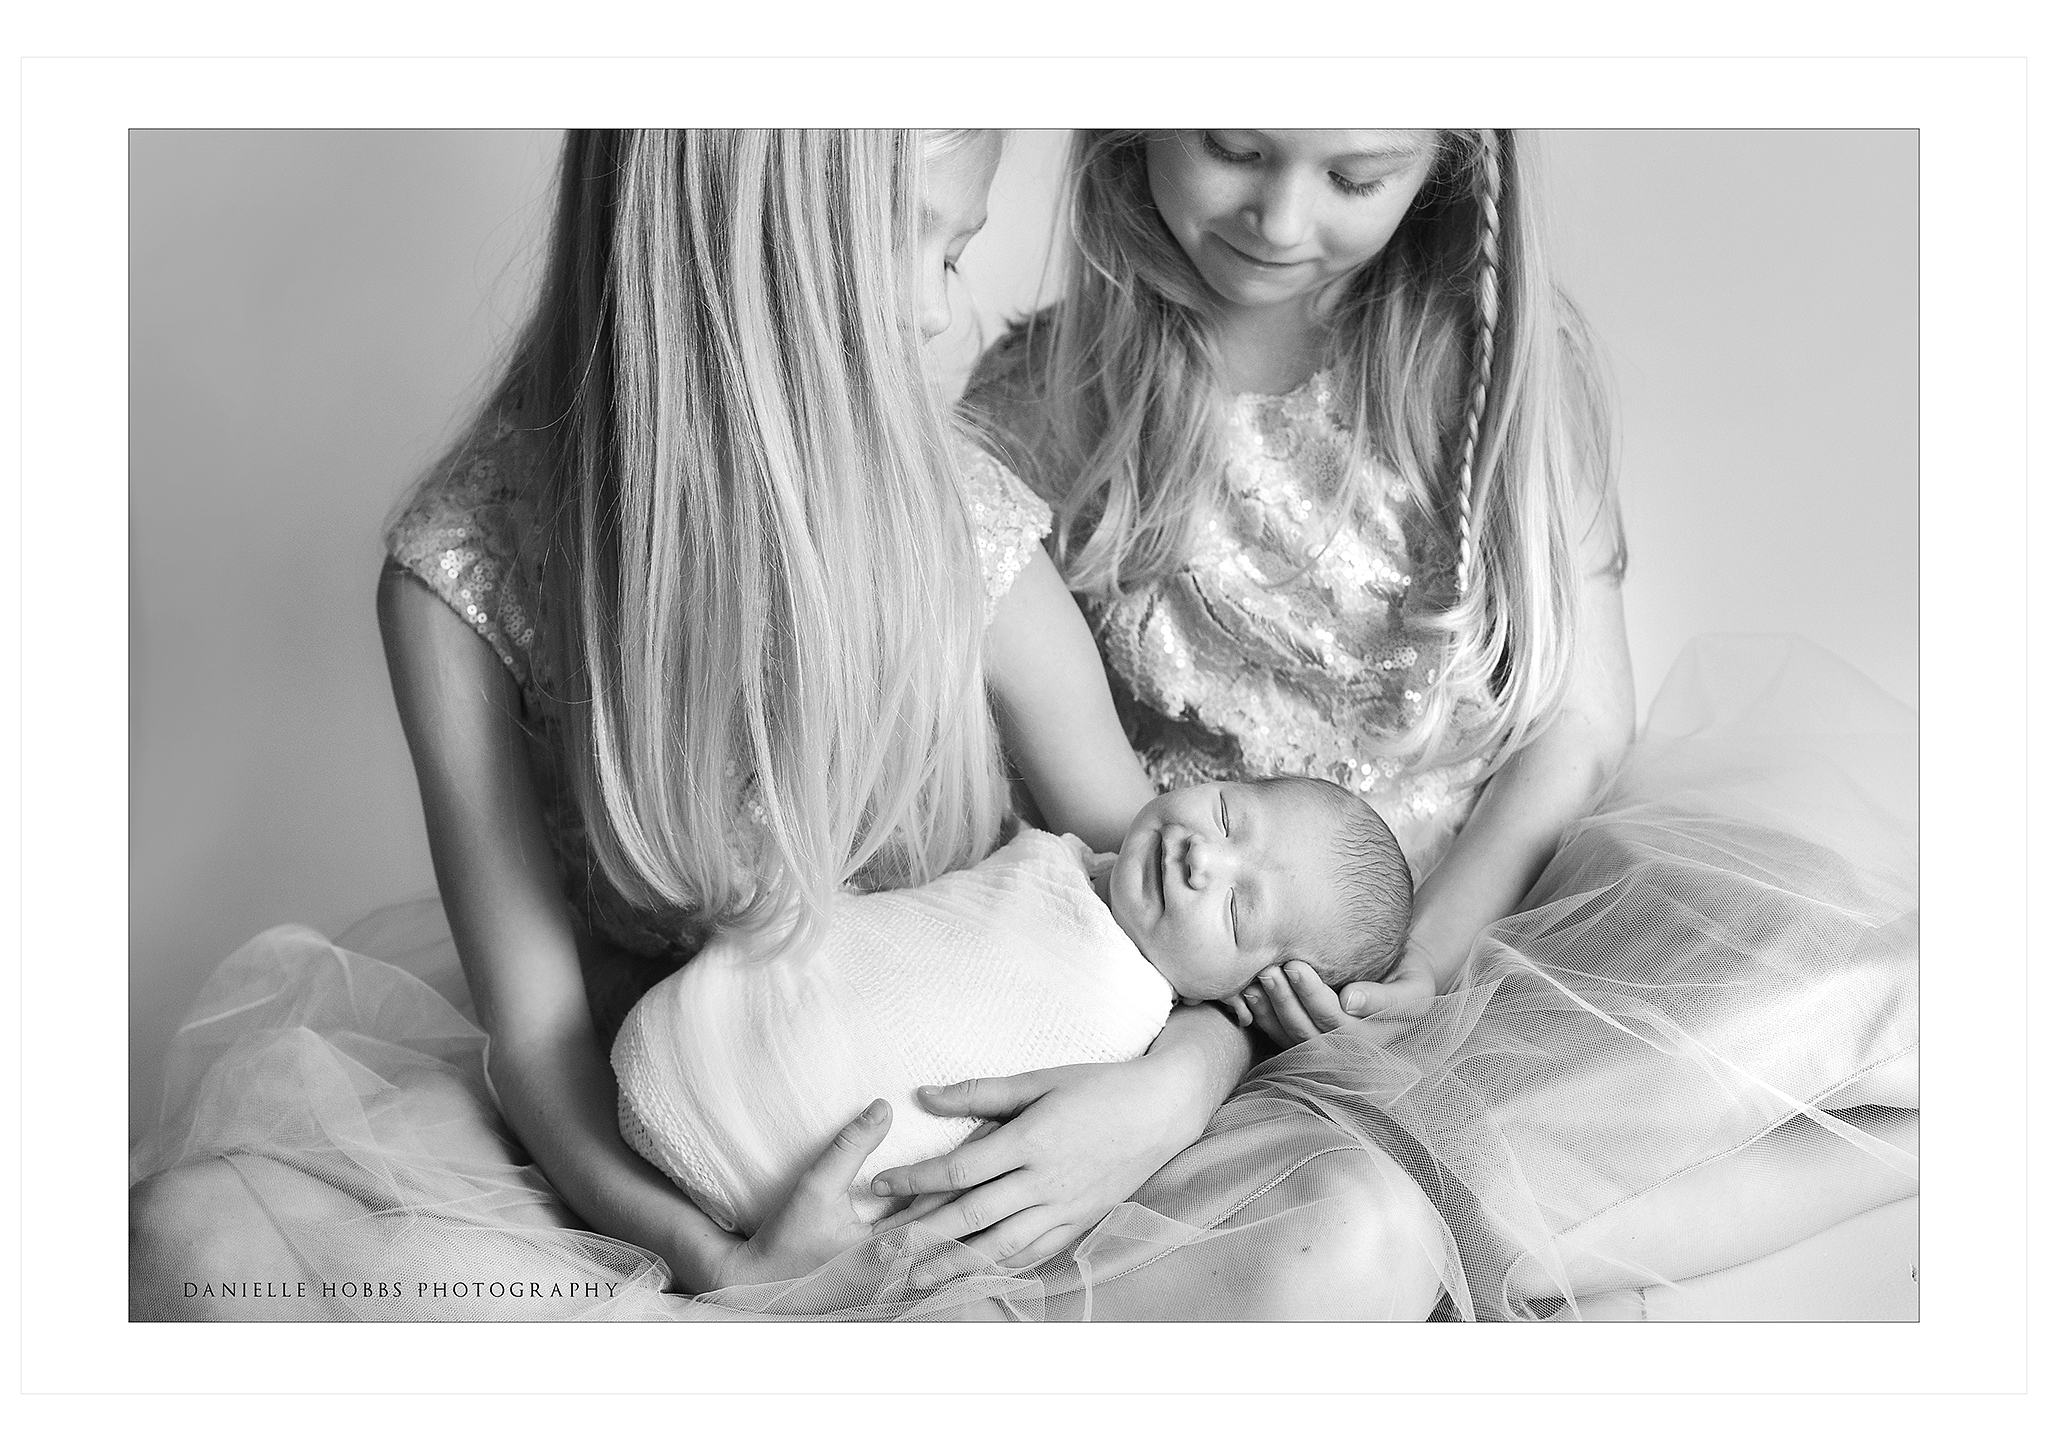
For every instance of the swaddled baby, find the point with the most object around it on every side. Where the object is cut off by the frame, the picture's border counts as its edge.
(735, 1072)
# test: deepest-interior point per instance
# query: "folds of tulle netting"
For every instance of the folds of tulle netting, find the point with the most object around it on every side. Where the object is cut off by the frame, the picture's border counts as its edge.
(350, 1099)
(1276, 1212)
(1727, 942)
(348, 1096)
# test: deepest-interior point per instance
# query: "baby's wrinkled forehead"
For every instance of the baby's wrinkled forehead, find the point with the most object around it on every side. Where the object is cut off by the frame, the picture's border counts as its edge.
(1302, 805)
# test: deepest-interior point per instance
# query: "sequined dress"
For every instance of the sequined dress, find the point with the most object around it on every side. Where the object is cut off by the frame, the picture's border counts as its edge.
(1285, 646)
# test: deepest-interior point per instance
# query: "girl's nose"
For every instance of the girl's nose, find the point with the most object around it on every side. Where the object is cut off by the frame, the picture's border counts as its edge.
(1279, 215)
(934, 309)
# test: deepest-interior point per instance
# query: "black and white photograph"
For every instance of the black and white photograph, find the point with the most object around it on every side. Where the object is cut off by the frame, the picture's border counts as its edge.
(1024, 725)
(1306, 740)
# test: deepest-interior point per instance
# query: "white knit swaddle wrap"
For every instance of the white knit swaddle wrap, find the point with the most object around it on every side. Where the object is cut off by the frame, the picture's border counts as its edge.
(734, 1075)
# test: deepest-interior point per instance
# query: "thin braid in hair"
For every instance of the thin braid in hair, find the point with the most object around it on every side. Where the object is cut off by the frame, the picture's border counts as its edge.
(1482, 353)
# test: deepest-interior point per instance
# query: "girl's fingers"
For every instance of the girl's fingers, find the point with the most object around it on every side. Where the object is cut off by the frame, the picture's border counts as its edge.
(1363, 999)
(1384, 1011)
(839, 1165)
(1316, 997)
(1050, 1243)
(1262, 1014)
(1294, 1022)
(947, 1262)
(1239, 1013)
(981, 1097)
(917, 1209)
(984, 1208)
(1009, 1243)
(1023, 1239)
(977, 1161)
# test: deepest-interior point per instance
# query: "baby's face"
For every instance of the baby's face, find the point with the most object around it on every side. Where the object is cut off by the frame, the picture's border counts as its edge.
(1216, 882)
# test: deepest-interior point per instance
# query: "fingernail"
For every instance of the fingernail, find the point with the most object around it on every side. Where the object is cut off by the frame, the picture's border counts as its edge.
(882, 1189)
(1253, 996)
(872, 1112)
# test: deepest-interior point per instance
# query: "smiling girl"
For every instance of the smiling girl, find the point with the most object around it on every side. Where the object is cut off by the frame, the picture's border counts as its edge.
(1333, 474)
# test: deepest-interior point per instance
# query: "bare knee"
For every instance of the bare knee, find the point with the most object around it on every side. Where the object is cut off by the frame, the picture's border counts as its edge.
(1364, 1244)
(194, 1227)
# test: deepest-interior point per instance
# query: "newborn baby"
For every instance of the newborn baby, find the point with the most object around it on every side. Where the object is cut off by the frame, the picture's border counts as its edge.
(734, 1072)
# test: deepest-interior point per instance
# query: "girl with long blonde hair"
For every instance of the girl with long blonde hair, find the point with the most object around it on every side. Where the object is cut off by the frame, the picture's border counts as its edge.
(1381, 304)
(1334, 477)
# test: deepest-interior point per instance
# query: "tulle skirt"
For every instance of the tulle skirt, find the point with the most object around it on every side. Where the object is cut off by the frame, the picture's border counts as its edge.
(1702, 1023)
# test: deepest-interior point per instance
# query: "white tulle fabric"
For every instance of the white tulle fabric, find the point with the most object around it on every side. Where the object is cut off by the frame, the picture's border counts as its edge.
(734, 1074)
(1717, 961)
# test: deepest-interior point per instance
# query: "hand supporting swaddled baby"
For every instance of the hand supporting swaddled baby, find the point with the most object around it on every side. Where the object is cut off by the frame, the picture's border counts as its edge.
(737, 1070)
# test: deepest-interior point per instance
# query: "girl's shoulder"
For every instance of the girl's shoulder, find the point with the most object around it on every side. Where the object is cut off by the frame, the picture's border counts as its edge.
(1009, 520)
(467, 533)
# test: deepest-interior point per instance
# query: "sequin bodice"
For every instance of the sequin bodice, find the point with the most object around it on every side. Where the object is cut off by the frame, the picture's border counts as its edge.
(1281, 647)
(468, 533)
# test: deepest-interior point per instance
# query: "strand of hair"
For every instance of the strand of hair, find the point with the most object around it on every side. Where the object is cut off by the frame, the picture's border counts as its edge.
(1482, 361)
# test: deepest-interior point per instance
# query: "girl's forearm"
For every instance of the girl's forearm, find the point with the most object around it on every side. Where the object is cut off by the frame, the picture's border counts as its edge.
(512, 926)
(561, 1099)
(1513, 832)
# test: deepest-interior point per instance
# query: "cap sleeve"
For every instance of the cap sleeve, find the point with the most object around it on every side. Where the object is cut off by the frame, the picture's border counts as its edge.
(465, 535)
(1009, 520)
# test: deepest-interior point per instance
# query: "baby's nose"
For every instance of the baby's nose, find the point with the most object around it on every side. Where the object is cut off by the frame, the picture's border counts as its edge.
(1205, 862)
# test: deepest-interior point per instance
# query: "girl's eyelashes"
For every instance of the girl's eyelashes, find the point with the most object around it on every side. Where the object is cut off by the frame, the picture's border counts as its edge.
(1223, 153)
(1223, 811)
(1349, 187)
(1338, 179)
(1233, 921)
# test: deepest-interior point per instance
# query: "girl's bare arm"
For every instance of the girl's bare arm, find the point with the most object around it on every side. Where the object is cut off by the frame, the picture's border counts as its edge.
(1535, 795)
(460, 708)
(1059, 725)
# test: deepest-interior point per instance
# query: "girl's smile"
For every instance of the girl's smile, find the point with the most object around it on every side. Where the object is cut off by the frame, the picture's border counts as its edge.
(1274, 265)
(1271, 218)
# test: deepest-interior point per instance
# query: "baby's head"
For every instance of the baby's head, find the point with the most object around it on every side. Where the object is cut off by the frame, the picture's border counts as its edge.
(1217, 882)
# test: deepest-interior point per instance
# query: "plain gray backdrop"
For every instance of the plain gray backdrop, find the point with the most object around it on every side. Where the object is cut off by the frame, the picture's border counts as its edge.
(312, 312)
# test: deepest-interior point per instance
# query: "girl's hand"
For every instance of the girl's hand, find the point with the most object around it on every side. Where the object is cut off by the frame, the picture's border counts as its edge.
(820, 1217)
(1078, 1141)
(1291, 1004)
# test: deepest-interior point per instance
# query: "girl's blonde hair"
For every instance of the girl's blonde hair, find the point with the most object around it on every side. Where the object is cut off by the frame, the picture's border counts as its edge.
(1461, 366)
(759, 573)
